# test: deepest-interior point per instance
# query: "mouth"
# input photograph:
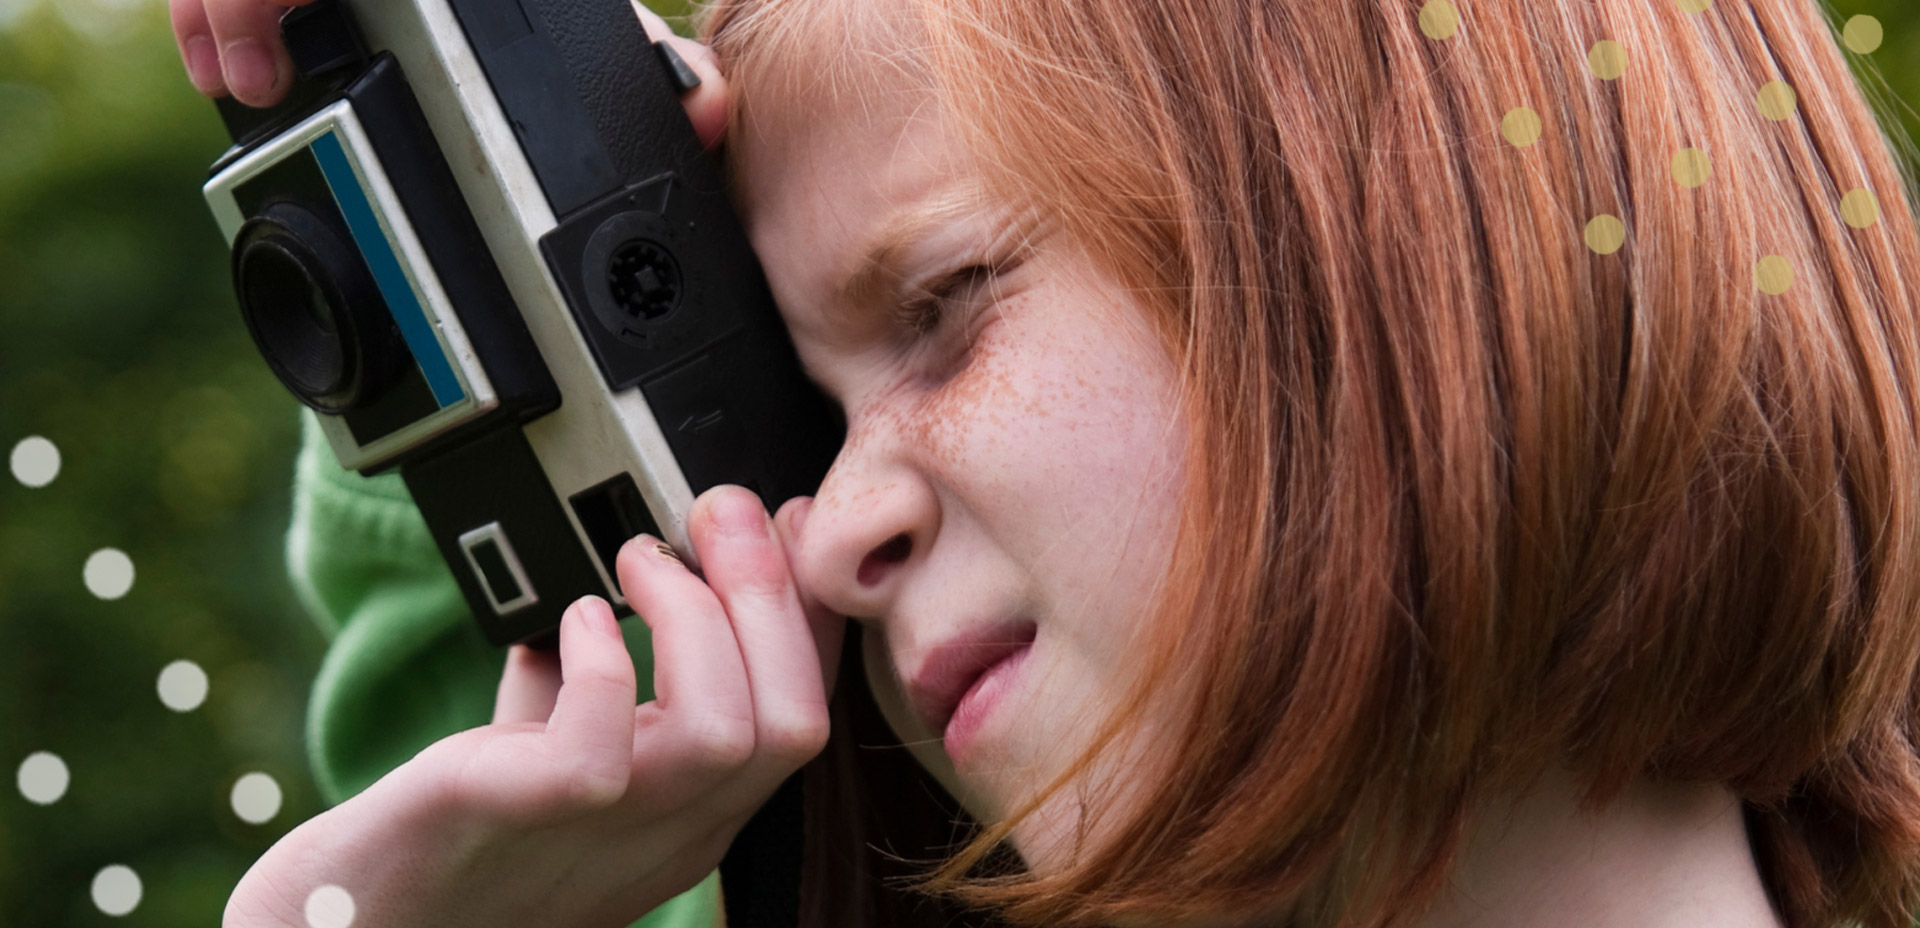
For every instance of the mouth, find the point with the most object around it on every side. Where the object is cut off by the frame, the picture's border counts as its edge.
(952, 668)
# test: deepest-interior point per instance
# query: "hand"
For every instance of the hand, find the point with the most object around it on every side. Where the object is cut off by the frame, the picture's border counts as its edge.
(576, 807)
(234, 46)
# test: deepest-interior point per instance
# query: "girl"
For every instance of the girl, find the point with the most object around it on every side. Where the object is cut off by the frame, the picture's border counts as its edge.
(1336, 462)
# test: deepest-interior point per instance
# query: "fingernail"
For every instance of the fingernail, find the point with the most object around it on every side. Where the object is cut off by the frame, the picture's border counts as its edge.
(656, 547)
(600, 619)
(609, 626)
(203, 64)
(251, 73)
(740, 513)
(799, 517)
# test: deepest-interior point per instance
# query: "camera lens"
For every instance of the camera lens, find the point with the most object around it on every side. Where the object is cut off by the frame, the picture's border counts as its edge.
(300, 326)
(313, 309)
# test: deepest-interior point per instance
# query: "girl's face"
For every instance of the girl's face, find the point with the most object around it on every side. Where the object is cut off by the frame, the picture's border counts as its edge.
(1005, 503)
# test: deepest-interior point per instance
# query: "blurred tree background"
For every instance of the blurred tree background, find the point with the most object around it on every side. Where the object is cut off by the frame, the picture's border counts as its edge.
(120, 344)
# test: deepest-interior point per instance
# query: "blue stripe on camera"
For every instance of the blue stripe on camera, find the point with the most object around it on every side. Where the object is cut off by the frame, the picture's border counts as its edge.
(393, 284)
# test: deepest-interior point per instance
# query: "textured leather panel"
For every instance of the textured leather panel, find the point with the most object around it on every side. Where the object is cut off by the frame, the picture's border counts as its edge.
(624, 86)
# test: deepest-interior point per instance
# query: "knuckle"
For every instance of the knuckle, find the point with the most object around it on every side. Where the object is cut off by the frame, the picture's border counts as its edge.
(604, 680)
(719, 744)
(595, 786)
(793, 738)
(562, 793)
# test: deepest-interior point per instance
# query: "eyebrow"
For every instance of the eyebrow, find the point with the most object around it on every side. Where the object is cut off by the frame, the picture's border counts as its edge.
(879, 270)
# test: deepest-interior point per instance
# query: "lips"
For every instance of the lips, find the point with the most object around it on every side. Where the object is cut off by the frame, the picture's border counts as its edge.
(951, 667)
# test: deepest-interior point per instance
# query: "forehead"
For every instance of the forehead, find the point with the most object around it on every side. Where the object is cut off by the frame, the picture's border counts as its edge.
(814, 157)
(829, 150)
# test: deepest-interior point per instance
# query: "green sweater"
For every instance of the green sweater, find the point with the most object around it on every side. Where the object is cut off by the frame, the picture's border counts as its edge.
(405, 664)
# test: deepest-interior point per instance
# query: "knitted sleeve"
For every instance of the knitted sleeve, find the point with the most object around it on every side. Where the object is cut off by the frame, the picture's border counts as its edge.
(405, 664)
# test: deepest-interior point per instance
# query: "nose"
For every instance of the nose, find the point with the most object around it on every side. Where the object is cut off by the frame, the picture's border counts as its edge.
(874, 518)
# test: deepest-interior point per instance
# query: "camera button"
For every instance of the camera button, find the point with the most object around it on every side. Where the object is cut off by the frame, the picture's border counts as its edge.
(497, 568)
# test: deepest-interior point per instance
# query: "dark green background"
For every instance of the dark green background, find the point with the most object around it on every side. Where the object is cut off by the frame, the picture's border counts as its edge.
(119, 341)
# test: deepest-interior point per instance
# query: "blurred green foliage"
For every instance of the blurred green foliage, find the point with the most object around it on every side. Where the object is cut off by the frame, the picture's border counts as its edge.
(119, 341)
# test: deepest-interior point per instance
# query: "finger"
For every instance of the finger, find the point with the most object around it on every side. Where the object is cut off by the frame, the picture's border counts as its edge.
(747, 569)
(702, 707)
(528, 686)
(591, 728)
(194, 37)
(706, 104)
(829, 627)
(656, 26)
(253, 60)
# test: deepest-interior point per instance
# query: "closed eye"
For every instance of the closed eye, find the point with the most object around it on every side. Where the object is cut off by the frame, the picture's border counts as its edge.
(921, 313)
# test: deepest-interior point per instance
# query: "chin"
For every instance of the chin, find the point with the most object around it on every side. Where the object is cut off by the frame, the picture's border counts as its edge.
(1087, 810)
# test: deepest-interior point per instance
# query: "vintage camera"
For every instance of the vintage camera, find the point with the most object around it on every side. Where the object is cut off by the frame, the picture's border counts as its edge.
(481, 241)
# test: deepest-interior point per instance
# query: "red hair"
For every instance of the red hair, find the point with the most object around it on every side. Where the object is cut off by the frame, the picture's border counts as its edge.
(1475, 494)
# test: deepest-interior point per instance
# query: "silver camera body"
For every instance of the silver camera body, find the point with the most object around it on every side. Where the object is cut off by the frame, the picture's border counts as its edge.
(482, 243)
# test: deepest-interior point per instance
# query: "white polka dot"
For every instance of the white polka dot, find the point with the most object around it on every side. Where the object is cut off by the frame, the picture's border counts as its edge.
(183, 686)
(329, 907)
(256, 798)
(35, 461)
(116, 890)
(43, 778)
(109, 573)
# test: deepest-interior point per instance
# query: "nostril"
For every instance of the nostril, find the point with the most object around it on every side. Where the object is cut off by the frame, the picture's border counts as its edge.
(896, 549)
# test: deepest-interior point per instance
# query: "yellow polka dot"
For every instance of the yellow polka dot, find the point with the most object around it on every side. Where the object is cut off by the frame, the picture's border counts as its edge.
(1606, 234)
(1607, 59)
(1773, 275)
(1777, 100)
(1860, 208)
(1694, 6)
(1863, 34)
(1521, 126)
(1439, 20)
(1691, 168)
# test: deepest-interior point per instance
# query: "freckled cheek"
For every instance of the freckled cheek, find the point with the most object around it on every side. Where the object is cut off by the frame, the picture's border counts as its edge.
(1037, 406)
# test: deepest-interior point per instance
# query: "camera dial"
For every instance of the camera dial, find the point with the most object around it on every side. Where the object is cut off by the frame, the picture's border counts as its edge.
(645, 281)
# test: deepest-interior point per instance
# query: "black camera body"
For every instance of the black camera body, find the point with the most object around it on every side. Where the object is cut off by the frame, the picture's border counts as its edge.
(482, 242)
